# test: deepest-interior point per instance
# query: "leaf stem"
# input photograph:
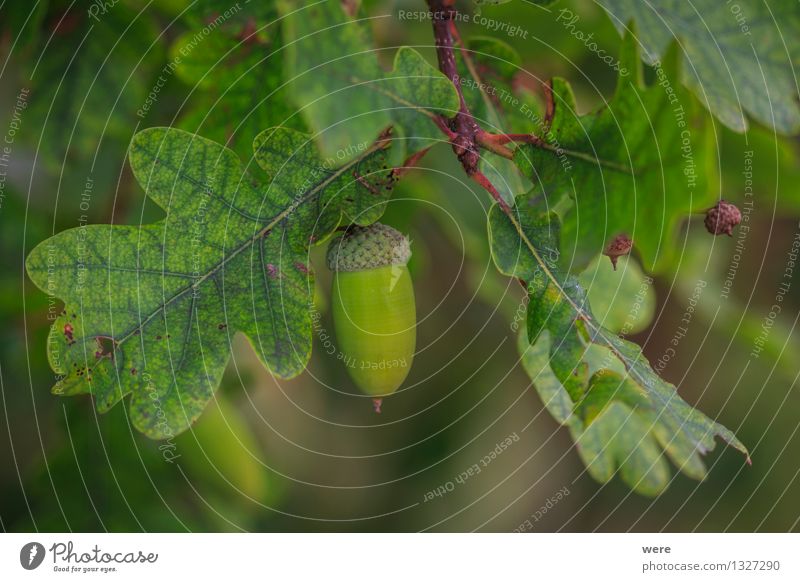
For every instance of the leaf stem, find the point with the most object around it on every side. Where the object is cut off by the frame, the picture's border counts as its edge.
(468, 135)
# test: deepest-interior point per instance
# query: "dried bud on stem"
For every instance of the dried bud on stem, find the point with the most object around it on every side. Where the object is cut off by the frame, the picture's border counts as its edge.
(621, 245)
(721, 219)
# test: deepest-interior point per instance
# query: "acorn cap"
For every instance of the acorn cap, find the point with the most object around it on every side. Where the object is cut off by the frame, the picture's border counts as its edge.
(368, 247)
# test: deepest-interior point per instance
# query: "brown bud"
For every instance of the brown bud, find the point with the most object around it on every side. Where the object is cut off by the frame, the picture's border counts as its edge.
(460, 145)
(621, 245)
(469, 160)
(721, 219)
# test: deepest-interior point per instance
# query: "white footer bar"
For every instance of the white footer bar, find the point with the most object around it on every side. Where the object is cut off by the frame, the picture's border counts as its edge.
(406, 557)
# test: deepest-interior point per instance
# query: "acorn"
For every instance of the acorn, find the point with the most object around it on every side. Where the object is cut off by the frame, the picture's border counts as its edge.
(374, 313)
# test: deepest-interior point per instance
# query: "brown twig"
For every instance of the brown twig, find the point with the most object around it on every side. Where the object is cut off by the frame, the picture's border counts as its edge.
(462, 130)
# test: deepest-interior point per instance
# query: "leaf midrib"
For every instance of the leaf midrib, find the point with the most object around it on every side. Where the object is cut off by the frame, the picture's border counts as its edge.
(596, 330)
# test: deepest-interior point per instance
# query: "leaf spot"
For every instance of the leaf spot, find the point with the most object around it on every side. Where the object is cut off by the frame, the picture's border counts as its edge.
(68, 333)
(105, 347)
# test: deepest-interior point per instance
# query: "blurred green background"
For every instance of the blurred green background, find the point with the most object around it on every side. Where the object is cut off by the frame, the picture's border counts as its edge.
(309, 454)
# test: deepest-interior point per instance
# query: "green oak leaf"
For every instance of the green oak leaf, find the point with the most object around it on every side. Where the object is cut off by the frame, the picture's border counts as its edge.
(236, 89)
(638, 165)
(344, 95)
(553, 303)
(151, 310)
(620, 413)
(735, 62)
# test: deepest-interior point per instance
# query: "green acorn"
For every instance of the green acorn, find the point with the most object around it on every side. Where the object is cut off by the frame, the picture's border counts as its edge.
(373, 307)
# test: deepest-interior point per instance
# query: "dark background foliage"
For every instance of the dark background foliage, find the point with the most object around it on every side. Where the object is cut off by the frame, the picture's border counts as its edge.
(300, 455)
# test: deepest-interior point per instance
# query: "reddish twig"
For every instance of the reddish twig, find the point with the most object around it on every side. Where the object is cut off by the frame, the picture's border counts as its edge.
(481, 179)
(549, 106)
(410, 162)
(494, 144)
(462, 130)
(504, 138)
(442, 124)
